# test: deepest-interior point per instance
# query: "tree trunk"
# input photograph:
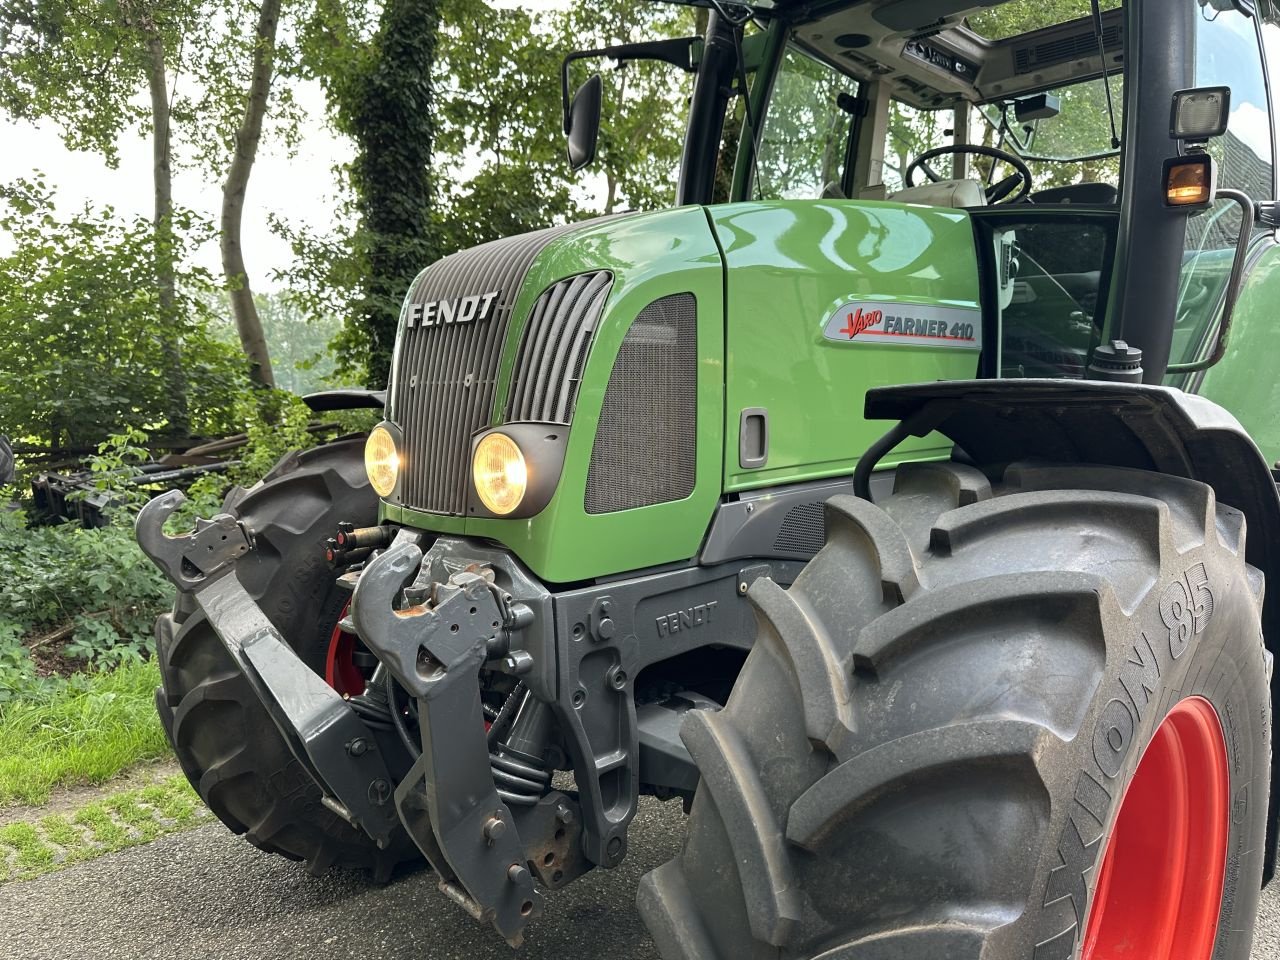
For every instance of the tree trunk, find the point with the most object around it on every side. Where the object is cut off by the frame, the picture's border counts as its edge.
(248, 323)
(162, 178)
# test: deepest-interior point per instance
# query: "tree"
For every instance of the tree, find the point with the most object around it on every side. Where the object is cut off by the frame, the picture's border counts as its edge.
(80, 63)
(247, 136)
(78, 316)
(379, 81)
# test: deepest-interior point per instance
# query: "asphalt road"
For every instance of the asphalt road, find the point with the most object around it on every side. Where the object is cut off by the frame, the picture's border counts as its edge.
(209, 894)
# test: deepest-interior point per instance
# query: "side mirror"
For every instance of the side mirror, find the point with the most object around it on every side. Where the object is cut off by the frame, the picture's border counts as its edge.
(582, 123)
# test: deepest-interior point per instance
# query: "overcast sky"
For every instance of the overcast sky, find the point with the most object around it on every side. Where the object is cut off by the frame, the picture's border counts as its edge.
(299, 189)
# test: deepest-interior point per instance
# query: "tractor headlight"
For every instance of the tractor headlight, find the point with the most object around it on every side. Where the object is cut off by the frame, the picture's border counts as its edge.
(500, 473)
(382, 460)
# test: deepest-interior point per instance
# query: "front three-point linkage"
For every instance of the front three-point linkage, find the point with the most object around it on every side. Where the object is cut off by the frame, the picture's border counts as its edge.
(325, 735)
(435, 647)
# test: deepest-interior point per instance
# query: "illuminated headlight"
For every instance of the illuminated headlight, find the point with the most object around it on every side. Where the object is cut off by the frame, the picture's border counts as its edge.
(382, 460)
(499, 473)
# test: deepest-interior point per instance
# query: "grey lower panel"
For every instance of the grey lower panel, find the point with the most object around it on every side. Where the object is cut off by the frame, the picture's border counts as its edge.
(785, 522)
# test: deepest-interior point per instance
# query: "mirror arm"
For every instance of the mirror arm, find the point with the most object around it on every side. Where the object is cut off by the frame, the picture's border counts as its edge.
(1248, 217)
(679, 53)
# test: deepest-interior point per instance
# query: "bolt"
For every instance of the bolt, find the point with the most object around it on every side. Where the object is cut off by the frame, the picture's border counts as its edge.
(564, 815)
(517, 874)
(358, 747)
(494, 828)
(379, 792)
(606, 629)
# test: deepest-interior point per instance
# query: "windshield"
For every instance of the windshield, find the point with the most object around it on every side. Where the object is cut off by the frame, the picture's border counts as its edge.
(1074, 146)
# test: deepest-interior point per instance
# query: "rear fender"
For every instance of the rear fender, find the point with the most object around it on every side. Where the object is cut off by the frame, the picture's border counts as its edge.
(997, 422)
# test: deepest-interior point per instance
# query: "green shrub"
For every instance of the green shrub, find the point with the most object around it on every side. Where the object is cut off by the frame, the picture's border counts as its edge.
(95, 584)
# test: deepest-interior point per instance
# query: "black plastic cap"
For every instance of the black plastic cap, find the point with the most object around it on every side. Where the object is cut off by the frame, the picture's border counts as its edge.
(1116, 362)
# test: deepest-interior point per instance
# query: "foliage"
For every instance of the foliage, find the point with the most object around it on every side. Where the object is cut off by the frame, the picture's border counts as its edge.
(86, 731)
(381, 89)
(298, 340)
(93, 585)
(81, 64)
(473, 151)
(79, 306)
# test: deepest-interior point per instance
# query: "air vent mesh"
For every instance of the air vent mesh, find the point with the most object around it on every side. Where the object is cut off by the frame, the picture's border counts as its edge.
(645, 449)
(803, 530)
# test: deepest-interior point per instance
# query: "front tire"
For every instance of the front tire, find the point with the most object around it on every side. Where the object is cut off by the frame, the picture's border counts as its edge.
(225, 741)
(928, 749)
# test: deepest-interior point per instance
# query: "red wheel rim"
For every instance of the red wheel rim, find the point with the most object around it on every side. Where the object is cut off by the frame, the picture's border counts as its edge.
(1159, 889)
(340, 670)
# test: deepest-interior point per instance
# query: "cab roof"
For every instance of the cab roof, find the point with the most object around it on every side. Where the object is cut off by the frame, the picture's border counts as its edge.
(938, 53)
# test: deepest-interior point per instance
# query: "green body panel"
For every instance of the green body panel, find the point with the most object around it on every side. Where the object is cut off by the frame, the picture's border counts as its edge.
(650, 256)
(1245, 380)
(790, 265)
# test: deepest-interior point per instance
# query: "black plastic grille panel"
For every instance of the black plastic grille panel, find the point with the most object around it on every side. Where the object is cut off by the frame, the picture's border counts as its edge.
(645, 449)
(803, 530)
(1078, 46)
(444, 377)
(553, 351)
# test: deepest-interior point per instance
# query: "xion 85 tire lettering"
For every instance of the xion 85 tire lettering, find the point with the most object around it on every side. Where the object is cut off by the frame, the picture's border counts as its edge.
(1032, 725)
(228, 746)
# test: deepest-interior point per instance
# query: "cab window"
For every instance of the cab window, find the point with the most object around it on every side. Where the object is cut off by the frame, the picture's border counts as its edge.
(1227, 54)
(805, 135)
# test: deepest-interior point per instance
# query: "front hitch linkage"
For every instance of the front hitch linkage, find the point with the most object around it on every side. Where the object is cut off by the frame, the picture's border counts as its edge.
(448, 802)
(325, 735)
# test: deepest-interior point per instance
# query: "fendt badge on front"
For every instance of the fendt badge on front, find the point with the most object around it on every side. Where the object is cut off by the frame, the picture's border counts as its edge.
(438, 313)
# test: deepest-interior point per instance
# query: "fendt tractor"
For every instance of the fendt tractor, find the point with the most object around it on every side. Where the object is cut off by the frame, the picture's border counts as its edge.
(899, 501)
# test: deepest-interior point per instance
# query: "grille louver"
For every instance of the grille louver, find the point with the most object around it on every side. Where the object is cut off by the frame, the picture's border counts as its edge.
(444, 377)
(645, 449)
(1078, 46)
(554, 348)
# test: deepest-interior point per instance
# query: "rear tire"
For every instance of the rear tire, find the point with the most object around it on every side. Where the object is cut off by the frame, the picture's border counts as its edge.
(926, 751)
(224, 739)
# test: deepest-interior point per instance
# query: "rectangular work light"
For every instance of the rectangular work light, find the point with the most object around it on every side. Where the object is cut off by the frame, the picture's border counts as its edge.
(1200, 114)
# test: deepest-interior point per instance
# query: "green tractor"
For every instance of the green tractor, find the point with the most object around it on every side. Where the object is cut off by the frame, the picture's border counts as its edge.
(905, 514)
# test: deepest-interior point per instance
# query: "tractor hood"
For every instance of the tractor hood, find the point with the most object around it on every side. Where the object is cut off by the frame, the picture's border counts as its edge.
(596, 335)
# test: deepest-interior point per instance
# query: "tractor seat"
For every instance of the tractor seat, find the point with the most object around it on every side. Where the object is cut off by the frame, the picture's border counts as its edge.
(944, 193)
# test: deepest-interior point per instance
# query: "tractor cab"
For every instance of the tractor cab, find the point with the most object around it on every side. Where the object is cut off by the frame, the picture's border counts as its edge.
(1055, 127)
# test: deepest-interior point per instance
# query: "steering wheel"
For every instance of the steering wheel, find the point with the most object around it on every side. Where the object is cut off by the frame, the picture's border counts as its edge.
(1019, 180)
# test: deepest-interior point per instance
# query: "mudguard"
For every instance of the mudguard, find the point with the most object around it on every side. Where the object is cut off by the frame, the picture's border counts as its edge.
(996, 422)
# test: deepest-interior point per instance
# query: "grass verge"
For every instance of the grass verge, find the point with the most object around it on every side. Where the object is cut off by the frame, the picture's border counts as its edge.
(126, 819)
(83, 733)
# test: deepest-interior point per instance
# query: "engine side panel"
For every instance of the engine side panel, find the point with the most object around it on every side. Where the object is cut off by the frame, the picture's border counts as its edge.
(806, 280)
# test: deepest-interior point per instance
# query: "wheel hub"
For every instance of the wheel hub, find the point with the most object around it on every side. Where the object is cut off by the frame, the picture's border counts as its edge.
(1159, 888)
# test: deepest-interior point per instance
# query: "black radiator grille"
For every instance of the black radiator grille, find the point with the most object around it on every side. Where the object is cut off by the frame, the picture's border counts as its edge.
(553, 351)
(444, 378)
(645, 450)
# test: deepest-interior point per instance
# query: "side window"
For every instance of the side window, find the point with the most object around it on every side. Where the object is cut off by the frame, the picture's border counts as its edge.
(806, 131)
(1227, 54)
(912, 131)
